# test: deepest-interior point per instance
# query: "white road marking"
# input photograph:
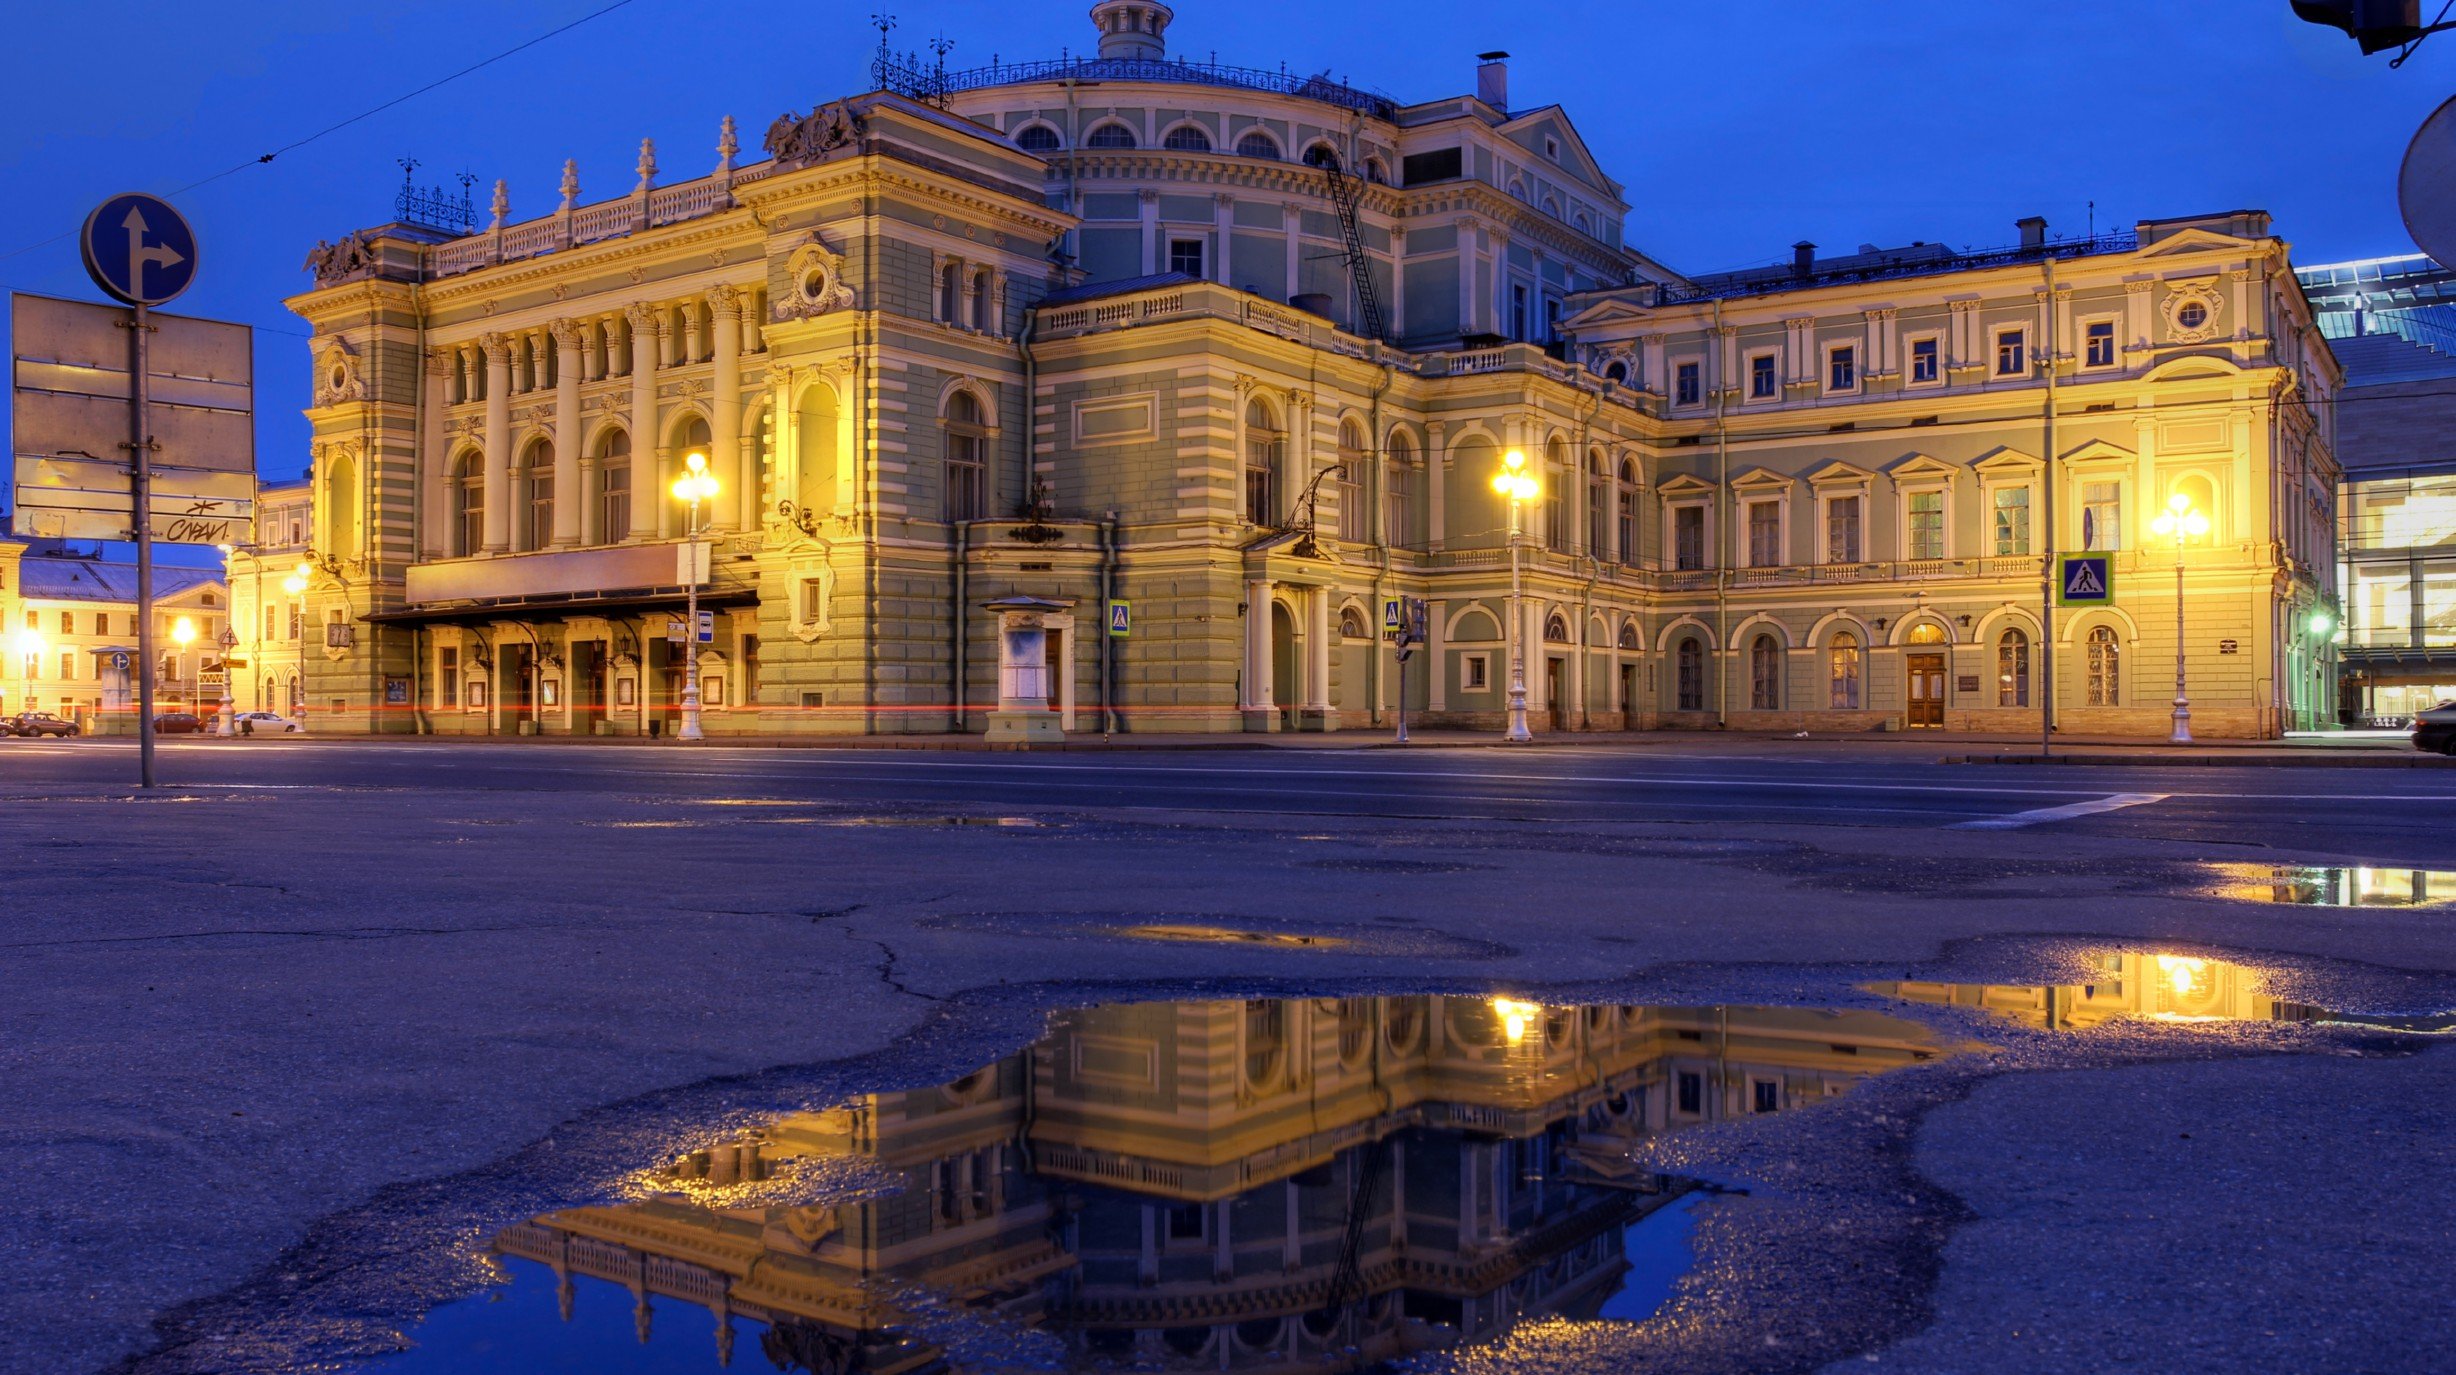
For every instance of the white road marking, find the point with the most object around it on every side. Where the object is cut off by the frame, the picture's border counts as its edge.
(2016, 820)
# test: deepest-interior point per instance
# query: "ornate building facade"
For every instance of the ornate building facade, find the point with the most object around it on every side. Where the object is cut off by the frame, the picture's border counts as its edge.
(1242, 351)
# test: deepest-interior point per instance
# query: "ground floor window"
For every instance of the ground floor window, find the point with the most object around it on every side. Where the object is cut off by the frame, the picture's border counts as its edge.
(1842, 673)
(2105, 668)
(1691, 673)
(1765, 674)
(2013, 670)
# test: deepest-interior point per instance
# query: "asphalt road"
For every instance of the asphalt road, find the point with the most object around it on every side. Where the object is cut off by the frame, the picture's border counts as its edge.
(2385, 816)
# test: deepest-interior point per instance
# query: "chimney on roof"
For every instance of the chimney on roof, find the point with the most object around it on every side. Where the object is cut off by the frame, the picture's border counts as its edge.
(1492, 79)
(2033, 230)
(1803, 259)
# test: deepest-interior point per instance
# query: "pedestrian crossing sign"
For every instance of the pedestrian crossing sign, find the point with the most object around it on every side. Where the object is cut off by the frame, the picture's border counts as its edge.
(2083, 580)
(1121, 619)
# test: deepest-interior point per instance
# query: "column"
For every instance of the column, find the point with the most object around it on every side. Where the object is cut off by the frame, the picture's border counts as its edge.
(734, 493)
(1317, 651)
(498, 442)
(568, 498)
(1436, 487)
(1436, 670)
(1223, 233)
(1292, 224)
(435, 473)
(1466, 276)
(1257, 646)
(647, 477)
(1148, 208)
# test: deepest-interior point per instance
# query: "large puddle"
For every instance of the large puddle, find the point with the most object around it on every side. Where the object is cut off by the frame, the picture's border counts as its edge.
(1247, 1185)
(1251, 1185)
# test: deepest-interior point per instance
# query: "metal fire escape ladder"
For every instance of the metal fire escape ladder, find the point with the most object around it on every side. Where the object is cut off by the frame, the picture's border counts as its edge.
(1345, 191)
(1347, 1282)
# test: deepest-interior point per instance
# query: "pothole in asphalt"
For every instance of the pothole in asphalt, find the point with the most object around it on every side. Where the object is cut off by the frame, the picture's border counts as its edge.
(2330, 885)
(1209, 929)
(1219, 1185)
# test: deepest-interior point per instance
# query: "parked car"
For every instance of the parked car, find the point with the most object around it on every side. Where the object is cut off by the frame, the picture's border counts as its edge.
(263, 723)
(33, 723)
(178, 723)
(2435, 729)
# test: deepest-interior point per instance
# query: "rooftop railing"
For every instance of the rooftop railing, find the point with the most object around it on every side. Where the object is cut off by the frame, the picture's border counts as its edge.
(1768, 280)
(906, 76)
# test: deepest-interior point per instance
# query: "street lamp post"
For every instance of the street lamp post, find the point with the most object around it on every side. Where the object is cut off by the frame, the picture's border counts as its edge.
(229, 641)
(2180, 523)
(692, 488)
(1518, 486)
(296, 586)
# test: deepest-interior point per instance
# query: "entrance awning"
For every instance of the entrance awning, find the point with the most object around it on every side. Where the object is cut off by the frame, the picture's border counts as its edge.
(563, 606)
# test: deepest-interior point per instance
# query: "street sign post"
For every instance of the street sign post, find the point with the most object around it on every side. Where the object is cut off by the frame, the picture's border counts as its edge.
(1404, 619)
(707, 627)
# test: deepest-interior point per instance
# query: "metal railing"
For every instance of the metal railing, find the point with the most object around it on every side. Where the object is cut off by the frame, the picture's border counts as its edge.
(1767, 280)
(907, 76)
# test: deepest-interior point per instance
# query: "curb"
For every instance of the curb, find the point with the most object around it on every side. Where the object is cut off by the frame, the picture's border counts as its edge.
(2220, 761)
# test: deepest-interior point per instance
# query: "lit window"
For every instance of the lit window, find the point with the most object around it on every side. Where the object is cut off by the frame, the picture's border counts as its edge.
(1761, 376)
(1925, 360)
(1926, 525)
(1842, 369)
(2012, 353)
(2102, 515)
(2012, 521)
(2013, 670)
(1842, 673)
(2105, 668)
(2098, 344)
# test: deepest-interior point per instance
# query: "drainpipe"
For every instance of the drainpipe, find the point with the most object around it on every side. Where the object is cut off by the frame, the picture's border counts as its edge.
(1031, 402)
(963, 630)
(1108, 653)
(2046, 562)
(1722, 531)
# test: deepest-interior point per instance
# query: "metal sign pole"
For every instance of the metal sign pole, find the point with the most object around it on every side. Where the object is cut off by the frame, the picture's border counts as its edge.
(140, 445)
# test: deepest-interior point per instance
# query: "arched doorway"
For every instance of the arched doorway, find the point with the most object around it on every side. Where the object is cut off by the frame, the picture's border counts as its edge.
(1283, 665)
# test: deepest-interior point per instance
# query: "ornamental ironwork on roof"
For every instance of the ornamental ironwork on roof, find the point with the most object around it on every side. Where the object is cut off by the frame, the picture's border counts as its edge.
(906, 75)
(1927, 260)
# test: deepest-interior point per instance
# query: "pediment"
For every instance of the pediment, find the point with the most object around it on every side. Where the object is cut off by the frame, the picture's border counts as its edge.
(2099, 451)
(2196, 241)
(2005, 458)
(1838, 473)
(1919, 465)
(1687, 484)
(1760, 478)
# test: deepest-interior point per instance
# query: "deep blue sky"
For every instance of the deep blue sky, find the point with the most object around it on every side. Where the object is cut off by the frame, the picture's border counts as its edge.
(1737, 125)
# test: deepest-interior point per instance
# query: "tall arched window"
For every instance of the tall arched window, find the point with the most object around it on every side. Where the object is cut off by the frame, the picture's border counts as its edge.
(1690, 666)
(1354, 515)
(1264, 444)
(1187, 138)
(1399, 492)
(341, 505)
(1556, 478)
(1628, 512)
(951, 293)
(1765, 674)
(690, 437)
(967, 489)
(1258, 145)
(1842, 672)
(537, 465)
(1110, 135)
(814, 456)
(985, 301)
(1322, 155)
(469, 504)
(1037, 138)
(2105, 686)
(614, 486)
(1598, 503)
(2013, 670)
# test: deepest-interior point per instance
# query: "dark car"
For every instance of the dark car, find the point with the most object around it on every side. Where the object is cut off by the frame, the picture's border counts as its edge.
(2435, 730)
(38, 723)
(178, 723)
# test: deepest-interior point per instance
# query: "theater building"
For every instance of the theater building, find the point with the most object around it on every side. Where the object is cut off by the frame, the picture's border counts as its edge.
(1241, 351)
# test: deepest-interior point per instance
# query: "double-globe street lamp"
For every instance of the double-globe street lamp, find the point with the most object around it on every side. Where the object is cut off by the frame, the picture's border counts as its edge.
(693, 487)
(1518, 486)
(2182, 524)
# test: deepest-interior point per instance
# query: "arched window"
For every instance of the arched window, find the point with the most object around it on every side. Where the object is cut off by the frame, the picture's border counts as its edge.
(1628, 636)
(690, 437)
(985, 301)
(2105, 687)
(1616, 371)
(341, 505)
(967, 494)
(1187, 138)
(1598, 503)
(1266, 1035)
(1037, 138)
(1263, 446)
(1690, 668)
(1399, 492)
(537, 465)
(1376, 172)
(1322, 155)
(1110, 135)
(614, 486)
(1842, 673)
(1351, 624)
(1765, 674)
(1556, 629)
(1258, 145)
(1557, 478)
(2013, 670)
(1354, 515)
(469, 504)
(1628, 512)
(814, 458)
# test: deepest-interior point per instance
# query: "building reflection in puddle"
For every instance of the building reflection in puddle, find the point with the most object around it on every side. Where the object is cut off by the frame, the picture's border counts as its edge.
(2166, 988)
(1229, 1185)
(2318, 885)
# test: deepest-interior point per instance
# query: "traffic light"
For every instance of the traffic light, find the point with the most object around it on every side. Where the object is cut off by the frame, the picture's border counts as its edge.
(2375, 24)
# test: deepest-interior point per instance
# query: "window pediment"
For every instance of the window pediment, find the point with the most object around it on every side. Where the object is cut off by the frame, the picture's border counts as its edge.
(2005, 459)
(1685, 485)
(1761, 480)
(2099, 451)
(1913, 467)
(1840, 474)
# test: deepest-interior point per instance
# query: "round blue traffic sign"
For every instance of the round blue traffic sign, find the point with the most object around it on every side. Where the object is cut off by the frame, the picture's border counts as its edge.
(138, 249)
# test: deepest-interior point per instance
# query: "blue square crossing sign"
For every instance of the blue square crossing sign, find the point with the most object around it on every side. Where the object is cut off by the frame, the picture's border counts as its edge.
(2084, 580)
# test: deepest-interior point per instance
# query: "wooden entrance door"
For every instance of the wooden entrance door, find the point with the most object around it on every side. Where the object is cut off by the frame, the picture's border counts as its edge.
(1926, 689)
